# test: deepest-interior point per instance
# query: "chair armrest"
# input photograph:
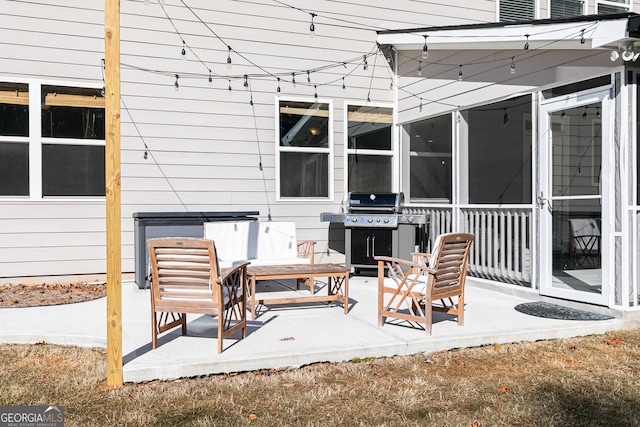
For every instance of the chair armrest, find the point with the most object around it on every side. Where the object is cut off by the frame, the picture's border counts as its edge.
(421, 258)
(392, 260)
(306, 249)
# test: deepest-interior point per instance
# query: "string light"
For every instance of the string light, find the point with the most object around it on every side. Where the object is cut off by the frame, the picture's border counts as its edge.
(584, 115)
(308, 77)
(505, 118)
(229, 85)
(365, 65)
(526, 45)
(278, 89)
(246, 81)
(369, 97)
(563, 115)
(460, 74)
(184, 50)
(210, 79)
(177, 86)
(420, 67)
(293, 79)
(146, 154)
(425, 48)
(598, 112)
(512, 69)
(315, 90)
(251, 100)
(312, 27)
(420, 108)
(582, 40)
(344, 87)
(229, 57)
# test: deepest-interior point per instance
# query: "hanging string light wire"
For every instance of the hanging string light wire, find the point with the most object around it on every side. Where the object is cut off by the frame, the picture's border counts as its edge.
(260, 165)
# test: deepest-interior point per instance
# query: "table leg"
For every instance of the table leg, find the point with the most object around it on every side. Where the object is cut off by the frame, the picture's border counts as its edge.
(253, 298)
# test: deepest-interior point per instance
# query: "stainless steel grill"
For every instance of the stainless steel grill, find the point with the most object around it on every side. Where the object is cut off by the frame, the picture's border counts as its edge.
(375, 225)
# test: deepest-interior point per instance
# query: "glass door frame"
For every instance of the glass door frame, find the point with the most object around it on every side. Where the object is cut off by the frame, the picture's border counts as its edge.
(602, 95)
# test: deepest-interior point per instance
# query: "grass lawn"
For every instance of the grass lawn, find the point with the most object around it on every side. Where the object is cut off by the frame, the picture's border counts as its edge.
(590, 381)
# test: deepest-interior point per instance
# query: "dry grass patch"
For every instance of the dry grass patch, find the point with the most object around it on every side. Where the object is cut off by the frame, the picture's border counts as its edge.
(590, 381)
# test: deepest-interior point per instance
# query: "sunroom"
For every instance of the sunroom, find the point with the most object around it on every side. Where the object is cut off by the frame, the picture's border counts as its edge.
(525, 134)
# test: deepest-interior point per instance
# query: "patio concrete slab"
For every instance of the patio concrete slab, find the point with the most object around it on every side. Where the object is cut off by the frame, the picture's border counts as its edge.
(285, 336)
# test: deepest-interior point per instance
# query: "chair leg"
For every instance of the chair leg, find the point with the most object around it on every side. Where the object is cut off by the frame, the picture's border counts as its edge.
(428, 315)
(154, 330)
(184, 323)
(461, 309)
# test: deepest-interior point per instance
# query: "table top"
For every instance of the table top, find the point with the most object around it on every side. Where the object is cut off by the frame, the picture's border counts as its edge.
(297, 269)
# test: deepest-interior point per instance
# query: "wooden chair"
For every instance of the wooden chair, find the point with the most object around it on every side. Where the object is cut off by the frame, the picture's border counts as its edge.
(185, 278)
(409, 289)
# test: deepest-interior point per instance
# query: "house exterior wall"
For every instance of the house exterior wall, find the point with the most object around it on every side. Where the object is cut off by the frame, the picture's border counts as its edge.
(204, 144)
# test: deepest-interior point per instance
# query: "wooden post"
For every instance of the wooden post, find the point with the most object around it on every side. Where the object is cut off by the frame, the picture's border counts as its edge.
(112, 182)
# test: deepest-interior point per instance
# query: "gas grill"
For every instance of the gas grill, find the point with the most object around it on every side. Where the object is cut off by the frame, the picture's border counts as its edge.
(375, 225)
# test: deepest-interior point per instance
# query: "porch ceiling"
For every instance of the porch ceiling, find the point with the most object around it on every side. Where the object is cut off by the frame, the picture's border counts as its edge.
(598, 32)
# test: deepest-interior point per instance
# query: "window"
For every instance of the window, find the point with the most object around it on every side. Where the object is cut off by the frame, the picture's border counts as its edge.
(430, 162)
(499, 154)
(369, 149)
(566, 8)
(14, 139)
(70, 168)
(517, 10)
(613, 7)
(304, 149)
(67, 149)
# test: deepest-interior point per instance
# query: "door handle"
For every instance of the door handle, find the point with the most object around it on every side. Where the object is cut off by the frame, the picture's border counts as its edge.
(373, 246)
(541, 200)
(368, 253)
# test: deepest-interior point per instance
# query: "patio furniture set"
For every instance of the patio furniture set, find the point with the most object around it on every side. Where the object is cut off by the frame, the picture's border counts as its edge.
(218, 275)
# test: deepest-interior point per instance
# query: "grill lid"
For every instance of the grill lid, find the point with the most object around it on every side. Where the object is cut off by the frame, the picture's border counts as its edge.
(375, 202)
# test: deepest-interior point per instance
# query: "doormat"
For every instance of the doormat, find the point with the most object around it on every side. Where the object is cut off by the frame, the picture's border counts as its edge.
(554, 311)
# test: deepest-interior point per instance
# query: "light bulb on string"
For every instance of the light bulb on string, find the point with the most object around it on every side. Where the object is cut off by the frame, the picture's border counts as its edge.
(505, 118)
(512, 69)
(312, 27)
(425, 48)
(582, 40)
(563, 115)
(584, 115)
(420, 108)
(598, 112)
(229, 58)
(308, 77)
(246, 81)
(278, 89)
(315, 92)
(146, 154)
(419, 68)
(229, 85)
(293, 79)
(526, 44)
(365, 66)
(210, 79)
(184, 50)
(369, 97)
(251, 100)
(460, 74)
(176, 85)
(344, 87)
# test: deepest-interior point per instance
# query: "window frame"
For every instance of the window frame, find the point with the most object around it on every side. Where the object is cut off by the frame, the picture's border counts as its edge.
(584, 9)
(626, 5)
(329, 151)
(35, 140)
(393, 152)
(536, 12)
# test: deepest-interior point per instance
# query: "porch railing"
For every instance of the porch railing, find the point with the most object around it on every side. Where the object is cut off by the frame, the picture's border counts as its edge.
(502, 246)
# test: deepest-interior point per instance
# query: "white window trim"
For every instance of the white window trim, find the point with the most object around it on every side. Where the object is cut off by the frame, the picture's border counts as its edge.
(394, 152)
(35, 141)
(628, 5)
(329, 150)
(536, 9)
(584, 7)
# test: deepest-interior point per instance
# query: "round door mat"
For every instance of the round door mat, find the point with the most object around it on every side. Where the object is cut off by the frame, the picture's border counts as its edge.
(554, 311)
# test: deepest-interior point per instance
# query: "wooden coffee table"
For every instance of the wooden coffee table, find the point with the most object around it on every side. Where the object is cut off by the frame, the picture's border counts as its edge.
(337, 283)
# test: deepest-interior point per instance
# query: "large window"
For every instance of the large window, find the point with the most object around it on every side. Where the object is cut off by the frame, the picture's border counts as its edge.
(566, 8)
(304, 149)
(71, 166)
(369, 149)
(430, 163)
(606, 7)
(14, 139)
(64, 153)
(500, 152)
(517, 10)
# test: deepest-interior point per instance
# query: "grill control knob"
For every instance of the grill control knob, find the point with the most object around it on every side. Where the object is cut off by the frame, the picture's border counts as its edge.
(386, 220)
(370, 220)
(377, 219)
(410, 219)
(354, 219)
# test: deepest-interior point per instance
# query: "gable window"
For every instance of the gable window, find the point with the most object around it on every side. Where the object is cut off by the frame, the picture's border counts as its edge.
(14, 139)
(607, 7)
(304, 149)
(430, 161)
(517, 10)
(369, 149)
(566, 8)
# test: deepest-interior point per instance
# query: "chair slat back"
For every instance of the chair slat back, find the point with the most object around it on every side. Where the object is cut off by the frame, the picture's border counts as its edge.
(449, 259)
(183, 269)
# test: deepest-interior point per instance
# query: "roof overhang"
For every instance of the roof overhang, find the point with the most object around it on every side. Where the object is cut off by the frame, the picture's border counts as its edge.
(587, 32)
